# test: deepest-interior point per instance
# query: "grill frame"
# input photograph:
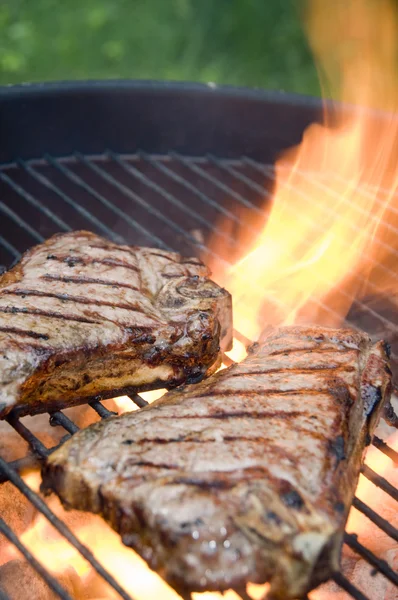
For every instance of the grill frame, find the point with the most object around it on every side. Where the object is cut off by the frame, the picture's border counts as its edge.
(48, 105)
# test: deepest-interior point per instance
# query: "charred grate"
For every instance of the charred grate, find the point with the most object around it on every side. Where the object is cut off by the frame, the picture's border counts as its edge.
(117, 196)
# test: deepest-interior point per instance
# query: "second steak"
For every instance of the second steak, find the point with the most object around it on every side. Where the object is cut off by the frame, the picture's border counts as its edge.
(247, 476)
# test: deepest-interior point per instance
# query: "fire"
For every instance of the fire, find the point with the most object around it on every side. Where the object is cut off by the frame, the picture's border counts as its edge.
(60, 558)
(334, 219)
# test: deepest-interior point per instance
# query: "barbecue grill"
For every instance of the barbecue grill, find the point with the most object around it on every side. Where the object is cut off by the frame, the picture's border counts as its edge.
(154, 164)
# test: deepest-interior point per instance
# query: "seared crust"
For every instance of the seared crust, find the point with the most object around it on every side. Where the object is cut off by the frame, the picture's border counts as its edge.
(248, 476)
(82, 318)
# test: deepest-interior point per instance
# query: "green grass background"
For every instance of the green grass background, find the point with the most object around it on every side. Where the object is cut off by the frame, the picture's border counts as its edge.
(242, 42)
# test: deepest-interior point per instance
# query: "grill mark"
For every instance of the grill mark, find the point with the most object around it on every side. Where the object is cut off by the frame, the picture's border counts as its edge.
(169, 258)
(72, 261)
(301, 371)
(235, 392)
(45, 313)
(86, 280)
(309, 350)
(188, 261)
(25, 333)
(240, 414)
(225, 438)
(76, 299)
(148, 463)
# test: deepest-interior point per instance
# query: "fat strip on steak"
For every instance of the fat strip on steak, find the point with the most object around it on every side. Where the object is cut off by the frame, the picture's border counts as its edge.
(81, 318)
(245, 477)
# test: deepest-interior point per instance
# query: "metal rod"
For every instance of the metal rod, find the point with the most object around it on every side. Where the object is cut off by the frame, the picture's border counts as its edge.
(227, 361)
(44, 181)
(34, 202)
(9, 247)
(348, 587)
(72, 176)
(214, 181)
(244, 179)
(58, 418)
(242, 338)
(20, 222)
(101, 410)
(189, 186)
(36, 445)
(22, 465)
(385, 448)
(61, 527)
(128, 193)
(138, 400)
(373, 516)
(380, 481)
(134, 172)
(37, 566)
(381, 565)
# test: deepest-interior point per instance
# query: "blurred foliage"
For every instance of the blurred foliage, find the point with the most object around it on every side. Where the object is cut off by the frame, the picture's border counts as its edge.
(245, 42)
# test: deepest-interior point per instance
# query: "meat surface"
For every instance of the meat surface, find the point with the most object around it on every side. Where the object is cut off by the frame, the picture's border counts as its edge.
(245, 477)
(81, 318)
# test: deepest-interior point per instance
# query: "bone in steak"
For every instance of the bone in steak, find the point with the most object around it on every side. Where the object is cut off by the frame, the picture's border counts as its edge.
(81, 317)
(247, 476)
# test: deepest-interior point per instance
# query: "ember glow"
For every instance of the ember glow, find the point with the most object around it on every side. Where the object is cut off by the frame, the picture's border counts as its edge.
(334, 215)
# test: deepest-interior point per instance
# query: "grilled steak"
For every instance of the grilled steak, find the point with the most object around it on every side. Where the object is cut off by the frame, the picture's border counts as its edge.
(81, 317)
(247, 476)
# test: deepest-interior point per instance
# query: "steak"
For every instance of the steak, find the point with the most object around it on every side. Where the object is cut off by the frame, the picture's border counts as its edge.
(82, 318)
(246, 477)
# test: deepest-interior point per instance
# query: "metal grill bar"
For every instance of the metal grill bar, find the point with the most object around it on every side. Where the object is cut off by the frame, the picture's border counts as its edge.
(193, 166)
(61, 528)
(34, 202)
(380, 481)
(138, 200)
(242, 178)
(376, 518)
(36, 445)
(140, 402)
(379, 564)
(21, 222)
(134, 172)
(348, 587)
(385, 448)
(110, 205)
(58, 418)
(9, 247)
(214, 181)
(191, 188)
(38, 567)
(100, 409)
(74, 205)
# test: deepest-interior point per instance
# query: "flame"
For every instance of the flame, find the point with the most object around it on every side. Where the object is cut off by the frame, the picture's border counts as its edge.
(60, 558)
(125, 404)
(333, 220)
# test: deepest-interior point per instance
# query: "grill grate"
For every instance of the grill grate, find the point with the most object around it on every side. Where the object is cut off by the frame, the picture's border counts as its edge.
(185, 197)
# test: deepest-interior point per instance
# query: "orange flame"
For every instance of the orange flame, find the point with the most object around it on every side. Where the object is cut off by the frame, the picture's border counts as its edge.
(334, 219)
